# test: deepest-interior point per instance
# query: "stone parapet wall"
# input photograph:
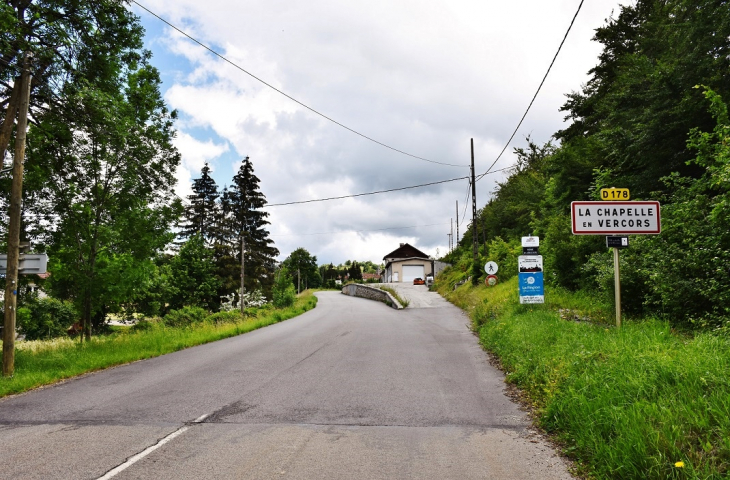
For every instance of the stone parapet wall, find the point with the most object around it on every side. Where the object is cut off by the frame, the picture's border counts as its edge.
(371, 293)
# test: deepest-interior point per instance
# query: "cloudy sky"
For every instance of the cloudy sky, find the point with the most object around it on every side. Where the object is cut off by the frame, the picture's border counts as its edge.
(423, 77)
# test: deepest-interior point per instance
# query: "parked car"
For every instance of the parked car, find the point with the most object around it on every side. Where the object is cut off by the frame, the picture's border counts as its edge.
(418, 281)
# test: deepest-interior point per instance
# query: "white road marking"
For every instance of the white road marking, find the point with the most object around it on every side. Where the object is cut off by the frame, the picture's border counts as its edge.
(148, 450)
(201, 418)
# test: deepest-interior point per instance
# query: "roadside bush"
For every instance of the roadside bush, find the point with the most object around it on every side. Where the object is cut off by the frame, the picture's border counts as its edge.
(146, 324)
(45, 318)
(230, 316)
(283, 291)
(185, 316)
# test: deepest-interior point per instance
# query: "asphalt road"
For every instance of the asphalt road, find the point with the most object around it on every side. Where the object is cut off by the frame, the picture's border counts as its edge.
(352, 389)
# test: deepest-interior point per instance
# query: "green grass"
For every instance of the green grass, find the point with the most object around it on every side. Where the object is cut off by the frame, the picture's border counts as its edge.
(626, 403)
(403, 301)
(45, 362)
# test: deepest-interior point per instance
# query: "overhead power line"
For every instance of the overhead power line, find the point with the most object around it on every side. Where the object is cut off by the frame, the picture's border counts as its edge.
(536, 93)
(317, 112)
(364, 194)
(356, 231)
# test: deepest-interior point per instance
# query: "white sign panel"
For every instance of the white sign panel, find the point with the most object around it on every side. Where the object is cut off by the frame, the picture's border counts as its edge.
(491, 268)
(27, 263)
(530, 241)
(615, 218)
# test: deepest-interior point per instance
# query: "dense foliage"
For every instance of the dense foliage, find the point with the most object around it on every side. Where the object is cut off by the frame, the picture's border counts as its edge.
(98, 192)
(653, 118)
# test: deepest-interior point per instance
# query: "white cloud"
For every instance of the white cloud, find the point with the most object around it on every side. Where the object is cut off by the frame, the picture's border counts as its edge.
(423, 77)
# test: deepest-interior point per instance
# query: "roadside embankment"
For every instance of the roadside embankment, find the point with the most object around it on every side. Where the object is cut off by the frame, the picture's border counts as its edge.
(43, 362)
(371, 293)
(643, 401)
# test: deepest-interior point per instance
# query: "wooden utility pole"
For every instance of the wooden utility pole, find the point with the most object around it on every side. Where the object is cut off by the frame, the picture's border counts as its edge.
(474, 246)
(16, 197)
(243, 271)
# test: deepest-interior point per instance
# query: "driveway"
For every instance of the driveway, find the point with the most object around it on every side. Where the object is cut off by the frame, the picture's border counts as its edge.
(418, 295)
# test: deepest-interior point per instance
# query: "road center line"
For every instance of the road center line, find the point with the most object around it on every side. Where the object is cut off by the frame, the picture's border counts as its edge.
(143, 454)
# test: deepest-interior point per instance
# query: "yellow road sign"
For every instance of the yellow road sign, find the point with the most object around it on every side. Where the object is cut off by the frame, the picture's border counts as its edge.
(615, 194)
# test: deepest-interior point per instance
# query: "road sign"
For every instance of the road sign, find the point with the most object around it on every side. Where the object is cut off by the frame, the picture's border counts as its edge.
(530, 251)
(491, 280)
(611, 194)
(615, 218)
(531, 285)
(27, 264)
(491, 268)
(617, 242)
(530, 241)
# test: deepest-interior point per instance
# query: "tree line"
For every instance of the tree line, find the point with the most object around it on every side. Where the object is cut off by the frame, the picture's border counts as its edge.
(99, 181)
(652, 118)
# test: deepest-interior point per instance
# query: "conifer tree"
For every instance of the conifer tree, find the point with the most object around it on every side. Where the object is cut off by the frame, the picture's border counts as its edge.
(202, 213)
(243, 218)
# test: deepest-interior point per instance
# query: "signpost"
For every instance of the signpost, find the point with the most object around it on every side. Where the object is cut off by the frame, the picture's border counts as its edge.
(531, 285)
(615, 194)
(28, 264)
(613, 219)
(491, 268)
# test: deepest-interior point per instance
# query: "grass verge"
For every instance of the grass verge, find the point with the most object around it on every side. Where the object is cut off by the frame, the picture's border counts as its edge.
(403, 301)
(43, 363)
(639, 402)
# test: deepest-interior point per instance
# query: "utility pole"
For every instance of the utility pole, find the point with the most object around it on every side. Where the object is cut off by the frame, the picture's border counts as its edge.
(474, 246)
(16, 198)
(457, 222)
(243, 270)
(451, 236)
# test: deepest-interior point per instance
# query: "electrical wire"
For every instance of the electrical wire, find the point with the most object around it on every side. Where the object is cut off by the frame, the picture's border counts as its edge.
(356, 231)
(536, 93)
(363, 194)
(466, 203)
(286, 94)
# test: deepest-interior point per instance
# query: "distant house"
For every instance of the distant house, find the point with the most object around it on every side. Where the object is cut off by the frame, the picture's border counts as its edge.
(407, 263)
(370, 276)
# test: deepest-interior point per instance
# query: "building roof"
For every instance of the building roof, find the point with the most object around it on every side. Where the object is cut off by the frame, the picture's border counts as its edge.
(406, 251)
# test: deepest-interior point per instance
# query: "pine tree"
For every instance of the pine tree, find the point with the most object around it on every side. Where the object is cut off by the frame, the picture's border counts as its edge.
(202, 214)
(243, 218)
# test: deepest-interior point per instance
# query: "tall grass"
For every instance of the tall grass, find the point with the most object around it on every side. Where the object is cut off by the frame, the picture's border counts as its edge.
(628, 403)
(404, 302)
(42, 363)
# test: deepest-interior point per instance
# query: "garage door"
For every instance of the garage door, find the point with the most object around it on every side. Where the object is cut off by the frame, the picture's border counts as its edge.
(412, 271)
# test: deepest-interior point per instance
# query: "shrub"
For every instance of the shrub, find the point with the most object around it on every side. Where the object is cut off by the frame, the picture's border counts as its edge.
(146, 324)
(230, 316)
(44, 318)
(283, 291)
(185, 316)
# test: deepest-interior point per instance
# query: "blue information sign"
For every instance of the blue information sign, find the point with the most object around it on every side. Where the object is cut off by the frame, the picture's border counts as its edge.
(531, 286)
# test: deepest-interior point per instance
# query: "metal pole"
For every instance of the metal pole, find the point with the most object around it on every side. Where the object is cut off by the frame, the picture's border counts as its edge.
(474, 247)
(16, 198)
(457, 222)
(617, 285)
